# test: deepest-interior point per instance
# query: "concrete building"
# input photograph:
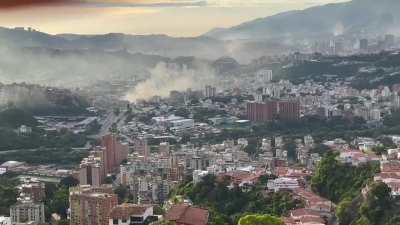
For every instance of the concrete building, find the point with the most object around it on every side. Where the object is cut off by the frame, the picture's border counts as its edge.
(164, 149)
(183, 124)
(210, 91)
(264, 76)
(33, 189)
(283, 183)
(91, 205)
(26, 211)
(288, 110)
(364, 45)
(5, 220)
(91, 171)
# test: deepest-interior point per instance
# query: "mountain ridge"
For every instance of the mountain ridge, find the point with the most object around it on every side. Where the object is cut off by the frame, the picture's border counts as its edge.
(327, 20)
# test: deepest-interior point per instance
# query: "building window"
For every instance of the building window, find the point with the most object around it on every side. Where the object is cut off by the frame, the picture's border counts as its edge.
(115, 221)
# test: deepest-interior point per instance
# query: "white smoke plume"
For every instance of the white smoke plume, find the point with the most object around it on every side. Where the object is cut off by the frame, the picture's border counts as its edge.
(168, 77)
(67, 68)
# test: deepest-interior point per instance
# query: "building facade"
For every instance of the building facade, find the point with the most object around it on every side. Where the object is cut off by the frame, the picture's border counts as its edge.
(27, 211)
(91, 206)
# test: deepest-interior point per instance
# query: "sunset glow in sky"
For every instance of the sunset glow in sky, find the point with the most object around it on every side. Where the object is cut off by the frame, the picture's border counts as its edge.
(172, 17)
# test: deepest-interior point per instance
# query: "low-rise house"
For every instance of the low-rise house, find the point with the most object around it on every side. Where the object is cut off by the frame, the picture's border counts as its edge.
(130, 214)
(304, 216)
(314, 202)
(283, 183)
(187, 215)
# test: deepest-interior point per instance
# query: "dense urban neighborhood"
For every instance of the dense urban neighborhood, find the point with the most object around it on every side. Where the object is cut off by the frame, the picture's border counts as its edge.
(309, 136)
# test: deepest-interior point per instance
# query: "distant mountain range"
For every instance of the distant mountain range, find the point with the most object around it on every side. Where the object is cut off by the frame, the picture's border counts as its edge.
(276, 34)
(359, 17)
(163, 45)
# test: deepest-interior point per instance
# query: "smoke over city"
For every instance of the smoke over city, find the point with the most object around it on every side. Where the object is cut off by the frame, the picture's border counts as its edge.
(167, 77)
(68, 68)
(22, 95)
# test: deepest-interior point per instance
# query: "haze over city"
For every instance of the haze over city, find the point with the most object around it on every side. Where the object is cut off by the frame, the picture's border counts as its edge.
(199, 112)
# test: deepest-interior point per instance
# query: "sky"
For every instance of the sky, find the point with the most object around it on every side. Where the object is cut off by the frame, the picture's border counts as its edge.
(179, 18)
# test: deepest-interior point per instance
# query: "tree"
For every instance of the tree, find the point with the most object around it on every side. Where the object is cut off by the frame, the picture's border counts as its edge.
(343, 211)
(8, 194)
(69, 181)
(379, 150)
(378, 201)
(164, 223)
(260, 220)
(158, 210)
(251, 149)
(117, 111)
(336, 181)
(290, 147)
(60, 202)
(122, 192)
(63, 222)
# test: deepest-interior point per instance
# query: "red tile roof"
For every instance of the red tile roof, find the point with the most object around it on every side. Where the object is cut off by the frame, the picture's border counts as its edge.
(304, 212)
(390, 166)
(187, 215)
(312, 220)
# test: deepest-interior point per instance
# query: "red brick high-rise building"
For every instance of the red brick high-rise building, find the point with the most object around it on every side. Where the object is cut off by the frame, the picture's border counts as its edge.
(262, 112)
(91, 206)
(270, 110)
(288, 110)
(114, 153)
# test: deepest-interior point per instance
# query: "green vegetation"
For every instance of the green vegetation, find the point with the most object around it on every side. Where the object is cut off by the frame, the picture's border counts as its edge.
(228, 205)
(337, 181)
(337, 68)
(69, 181)
(8, 192)
(164, 223)
(252, 147)
(377, 207)
(319, 128)
(60, 156)
(321, 149)
(392, 119)
(14, 118)
(58, 202)
(260, 220)
(203, 114)
(57, 197)
(343, 183)
(310, 125)
(37, 147)
(9, 140)
(290, 147)
(122, 193)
